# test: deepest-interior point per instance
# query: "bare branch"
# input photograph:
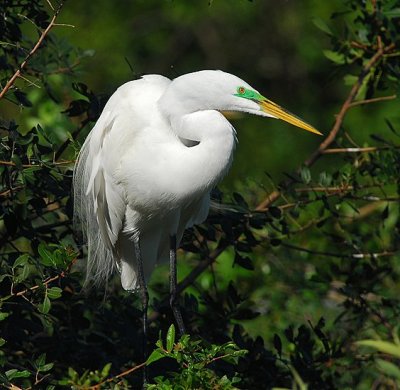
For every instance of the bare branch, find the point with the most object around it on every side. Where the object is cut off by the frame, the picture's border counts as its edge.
(18, 72)
(359, 150)
(39, 163)
(121, 375)
(340, 255)
(373, 100)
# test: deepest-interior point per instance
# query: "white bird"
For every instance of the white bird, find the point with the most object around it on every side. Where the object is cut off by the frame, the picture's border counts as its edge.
(146, 170)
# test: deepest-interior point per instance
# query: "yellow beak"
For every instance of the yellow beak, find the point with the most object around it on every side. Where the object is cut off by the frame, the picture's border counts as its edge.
(276, 111)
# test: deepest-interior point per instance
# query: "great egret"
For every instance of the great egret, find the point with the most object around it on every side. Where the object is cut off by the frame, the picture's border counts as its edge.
(146, 170)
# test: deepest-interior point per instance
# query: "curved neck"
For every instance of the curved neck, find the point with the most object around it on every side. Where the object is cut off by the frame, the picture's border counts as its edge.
(211, 158)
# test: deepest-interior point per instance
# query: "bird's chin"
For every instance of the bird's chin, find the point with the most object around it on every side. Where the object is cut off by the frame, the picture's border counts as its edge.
(239, 113)
(258, 112)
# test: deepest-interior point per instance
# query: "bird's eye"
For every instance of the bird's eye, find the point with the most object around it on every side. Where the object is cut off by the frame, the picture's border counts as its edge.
(241, 90)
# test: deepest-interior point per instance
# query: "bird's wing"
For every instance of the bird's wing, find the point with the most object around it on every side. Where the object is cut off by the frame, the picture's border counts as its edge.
(99, 205)
(99, 195)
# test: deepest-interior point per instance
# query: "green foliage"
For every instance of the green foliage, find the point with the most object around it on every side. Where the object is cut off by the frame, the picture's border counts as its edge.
(303, 290)
(194, 359)
(88, 378)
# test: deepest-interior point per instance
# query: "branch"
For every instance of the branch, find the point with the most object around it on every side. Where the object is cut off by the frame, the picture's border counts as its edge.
(358, 150)
(121, 375)
(340, 255)
(18, 72)
(373, 100)
(47, 281)
(273, 196)
(39, 164)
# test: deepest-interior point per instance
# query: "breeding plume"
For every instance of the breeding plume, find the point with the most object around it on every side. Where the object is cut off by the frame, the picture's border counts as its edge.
(146, 170)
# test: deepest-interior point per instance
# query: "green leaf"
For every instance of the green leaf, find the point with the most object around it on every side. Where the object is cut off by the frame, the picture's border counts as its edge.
(54, 292)
(21, 260)
(388, 368)
(46, 367)
(46, 255)
(3, 315)
(106, 370)
(154, 356)
(325, 179)
(350, 79)
(40, 360)
(14, 373)
(382, 346)
(23, 274)
(305, 175)
(2, 341)
(319, 23)
(44, 307)
(335, 57)
(171, 338)
(393, 13)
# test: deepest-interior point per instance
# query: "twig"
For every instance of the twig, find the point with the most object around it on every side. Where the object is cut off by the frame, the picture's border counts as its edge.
(9, 191)
(273, 196)
(358, 150)
(39, 164)
(340, 255)
(326, 189)
(373, 100)
(29, 81)
(47, 281)
(18, 72)
(121, 375)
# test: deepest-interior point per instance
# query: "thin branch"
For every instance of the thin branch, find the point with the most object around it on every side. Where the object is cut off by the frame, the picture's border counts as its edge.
(121, 375)
(29, 81)
(47, 281)
(50, 5)
(18, 72)
(340, 255)
(38, 164)
(359, 150)
(342, 189)
(63, 25)
(373, 100)
(9, 191)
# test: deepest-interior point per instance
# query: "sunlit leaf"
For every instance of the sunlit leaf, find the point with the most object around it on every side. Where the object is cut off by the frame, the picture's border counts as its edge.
(382, 346)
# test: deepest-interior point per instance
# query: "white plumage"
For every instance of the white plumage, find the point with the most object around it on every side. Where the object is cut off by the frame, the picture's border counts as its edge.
(150, 162)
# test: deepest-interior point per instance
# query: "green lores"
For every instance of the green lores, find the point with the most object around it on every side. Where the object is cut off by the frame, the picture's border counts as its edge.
(249, 94)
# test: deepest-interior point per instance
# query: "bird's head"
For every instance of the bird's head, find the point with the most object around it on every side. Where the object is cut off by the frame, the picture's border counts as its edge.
(217, 90)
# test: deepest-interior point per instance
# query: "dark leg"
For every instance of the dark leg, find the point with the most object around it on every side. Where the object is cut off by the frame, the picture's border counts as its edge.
(144, 295)
(172, 285)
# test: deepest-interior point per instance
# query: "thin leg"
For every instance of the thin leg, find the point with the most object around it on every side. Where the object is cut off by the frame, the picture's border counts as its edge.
(144, 295)
(172, 285)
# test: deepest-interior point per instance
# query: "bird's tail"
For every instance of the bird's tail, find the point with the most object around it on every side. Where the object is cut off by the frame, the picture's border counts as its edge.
(101, 264)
